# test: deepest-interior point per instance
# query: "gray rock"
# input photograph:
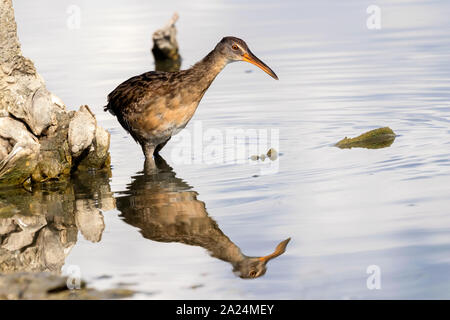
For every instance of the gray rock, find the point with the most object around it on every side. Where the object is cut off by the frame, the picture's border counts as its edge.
(22, 159)
(165, 47)
(39, 112)
(98, 156)
(165, 42)
(6, 226)
(5, 148)
(82, 129)
(34, 123)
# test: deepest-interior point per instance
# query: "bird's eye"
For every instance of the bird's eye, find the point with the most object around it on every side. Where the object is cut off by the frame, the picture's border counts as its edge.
(234, 47)
(253, 274)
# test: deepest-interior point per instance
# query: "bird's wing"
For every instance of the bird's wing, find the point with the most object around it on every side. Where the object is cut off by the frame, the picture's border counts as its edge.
(134, 96)
(133, 90)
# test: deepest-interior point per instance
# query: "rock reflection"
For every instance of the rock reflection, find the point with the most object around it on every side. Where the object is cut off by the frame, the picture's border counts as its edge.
(166, 209)
(39, 228)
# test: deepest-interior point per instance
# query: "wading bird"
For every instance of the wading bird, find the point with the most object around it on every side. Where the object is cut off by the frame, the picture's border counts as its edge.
(156, 105)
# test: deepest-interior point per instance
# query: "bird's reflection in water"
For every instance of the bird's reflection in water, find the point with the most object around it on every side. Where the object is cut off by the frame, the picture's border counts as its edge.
(166, 209)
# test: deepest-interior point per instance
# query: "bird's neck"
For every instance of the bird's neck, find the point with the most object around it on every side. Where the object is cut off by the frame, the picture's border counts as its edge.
(224, 249)
(203, 73)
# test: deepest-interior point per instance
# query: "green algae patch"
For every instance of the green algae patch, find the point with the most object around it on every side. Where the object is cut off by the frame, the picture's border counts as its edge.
(19, 172)
(374, 139)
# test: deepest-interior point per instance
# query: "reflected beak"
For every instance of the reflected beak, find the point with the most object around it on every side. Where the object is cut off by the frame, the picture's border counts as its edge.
(250, 57)
(279, 250)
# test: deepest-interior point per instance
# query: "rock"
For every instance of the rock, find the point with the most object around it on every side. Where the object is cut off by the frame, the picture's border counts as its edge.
(44, 285)
(20, 162)
(373, 139)
(7, 226)
(16, 131)
(272, 154)
(39, 112)
(38, 137)
(165, 47)
(81, 131)
(98, 157)
(55, 159)
(29, 286)
(5, 148)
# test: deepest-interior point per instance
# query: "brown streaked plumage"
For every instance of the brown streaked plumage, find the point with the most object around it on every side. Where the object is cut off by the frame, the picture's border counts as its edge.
(156, 105)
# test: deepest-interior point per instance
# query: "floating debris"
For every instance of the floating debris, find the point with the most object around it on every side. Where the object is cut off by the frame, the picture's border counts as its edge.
(196, 286)
(272, 154)
(374, 139)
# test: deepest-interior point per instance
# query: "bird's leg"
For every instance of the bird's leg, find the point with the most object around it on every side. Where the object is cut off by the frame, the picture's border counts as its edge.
(150, 166)
(160, 146)
(148, 149)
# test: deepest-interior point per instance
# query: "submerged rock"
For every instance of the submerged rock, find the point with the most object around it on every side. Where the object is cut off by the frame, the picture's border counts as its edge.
(374, 139)
(43, 285)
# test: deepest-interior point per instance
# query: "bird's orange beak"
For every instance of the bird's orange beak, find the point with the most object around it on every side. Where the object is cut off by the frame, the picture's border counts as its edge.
(279, 250)
(250, 57)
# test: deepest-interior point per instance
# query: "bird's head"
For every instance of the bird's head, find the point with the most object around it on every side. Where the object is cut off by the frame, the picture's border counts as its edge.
(255, 267)
(235, 49)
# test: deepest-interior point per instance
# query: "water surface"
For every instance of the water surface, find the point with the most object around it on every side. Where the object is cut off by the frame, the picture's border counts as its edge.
(344, 210)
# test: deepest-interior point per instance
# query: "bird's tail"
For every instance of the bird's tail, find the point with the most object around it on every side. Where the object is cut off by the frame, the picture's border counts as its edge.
(107, 108)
